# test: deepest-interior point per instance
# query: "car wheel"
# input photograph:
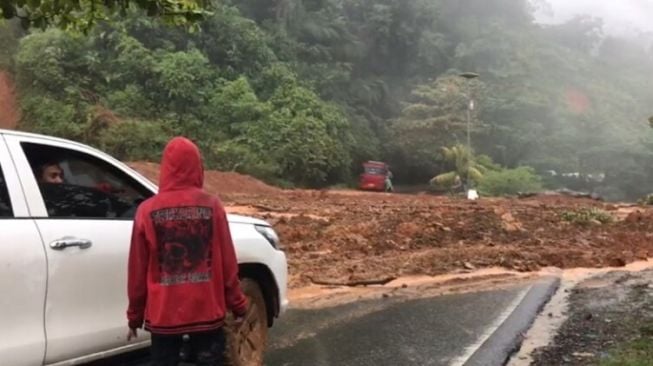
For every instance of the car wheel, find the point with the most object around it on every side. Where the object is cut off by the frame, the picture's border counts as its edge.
(246, 342)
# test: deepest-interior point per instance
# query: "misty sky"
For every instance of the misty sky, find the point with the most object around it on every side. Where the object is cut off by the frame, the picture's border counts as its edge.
(619, 16)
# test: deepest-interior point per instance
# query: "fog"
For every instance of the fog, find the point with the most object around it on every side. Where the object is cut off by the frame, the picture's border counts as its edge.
(620, 17)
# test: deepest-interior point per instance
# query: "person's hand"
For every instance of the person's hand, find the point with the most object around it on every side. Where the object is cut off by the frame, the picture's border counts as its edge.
(132, 334)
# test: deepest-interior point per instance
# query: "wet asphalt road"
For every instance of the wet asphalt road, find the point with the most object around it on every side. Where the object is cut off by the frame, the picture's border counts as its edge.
(461, 329)
(435, 331)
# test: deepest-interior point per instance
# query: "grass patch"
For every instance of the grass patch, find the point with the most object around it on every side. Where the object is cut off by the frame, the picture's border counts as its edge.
(341, 186)
(636, 353)
(586, 216)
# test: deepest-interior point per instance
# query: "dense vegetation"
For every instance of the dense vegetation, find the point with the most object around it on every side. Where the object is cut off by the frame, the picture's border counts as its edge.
(85, 14)
(302, 91)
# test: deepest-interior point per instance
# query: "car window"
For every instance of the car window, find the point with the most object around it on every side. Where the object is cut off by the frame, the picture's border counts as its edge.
(5, 203)
(75, 184)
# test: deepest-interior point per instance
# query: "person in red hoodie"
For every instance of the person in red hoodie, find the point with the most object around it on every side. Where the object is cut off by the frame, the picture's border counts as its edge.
(183, 273)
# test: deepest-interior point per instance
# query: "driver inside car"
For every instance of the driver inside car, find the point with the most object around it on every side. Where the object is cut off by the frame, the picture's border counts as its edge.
(50, 172)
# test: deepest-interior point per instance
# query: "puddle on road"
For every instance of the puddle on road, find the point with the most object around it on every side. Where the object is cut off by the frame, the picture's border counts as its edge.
(554, 313)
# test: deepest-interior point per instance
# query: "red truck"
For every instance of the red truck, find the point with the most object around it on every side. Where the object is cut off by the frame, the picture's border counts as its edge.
(376, 177)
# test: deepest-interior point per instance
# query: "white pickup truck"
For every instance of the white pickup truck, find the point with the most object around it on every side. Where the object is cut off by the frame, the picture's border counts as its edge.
(63, 258)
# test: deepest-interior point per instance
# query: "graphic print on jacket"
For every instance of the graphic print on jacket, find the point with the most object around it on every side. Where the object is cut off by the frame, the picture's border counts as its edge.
(183, 242)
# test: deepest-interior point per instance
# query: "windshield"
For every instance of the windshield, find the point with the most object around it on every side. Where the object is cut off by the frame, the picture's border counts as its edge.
(374, 170)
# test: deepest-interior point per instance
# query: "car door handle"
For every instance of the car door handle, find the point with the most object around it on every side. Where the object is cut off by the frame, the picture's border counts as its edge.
(69, 241)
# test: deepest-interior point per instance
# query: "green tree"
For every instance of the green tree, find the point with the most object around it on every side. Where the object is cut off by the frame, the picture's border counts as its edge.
(309, 139)
(236, 155)
(466, 168)
(83, 15)
(132, 140)
(434, 117)
(234, 44)
(9, 37)
(304, 90)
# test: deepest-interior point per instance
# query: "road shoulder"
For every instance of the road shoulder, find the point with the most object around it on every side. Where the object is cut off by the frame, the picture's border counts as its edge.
(610, 322)
(506, 338)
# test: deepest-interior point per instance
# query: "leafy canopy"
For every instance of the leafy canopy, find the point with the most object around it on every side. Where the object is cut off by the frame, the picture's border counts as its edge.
(85, 14)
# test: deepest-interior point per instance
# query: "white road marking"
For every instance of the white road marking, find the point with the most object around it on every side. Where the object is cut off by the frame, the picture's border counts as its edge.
(469, 351)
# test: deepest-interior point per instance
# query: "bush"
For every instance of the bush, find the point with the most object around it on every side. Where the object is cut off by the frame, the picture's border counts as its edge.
(509, 182)
(49, 116)
(238, 157)
(132, 140)
(585, 216)
(646, 200)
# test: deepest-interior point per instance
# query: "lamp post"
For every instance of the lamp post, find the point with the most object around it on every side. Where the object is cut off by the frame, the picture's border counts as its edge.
(471, 193)
(470, 106)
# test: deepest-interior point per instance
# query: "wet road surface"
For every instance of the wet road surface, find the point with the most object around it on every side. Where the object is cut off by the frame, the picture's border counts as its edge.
(479, 328)
(436, 331)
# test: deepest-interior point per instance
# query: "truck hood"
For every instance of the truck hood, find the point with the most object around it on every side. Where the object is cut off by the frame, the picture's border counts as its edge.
(239, 219)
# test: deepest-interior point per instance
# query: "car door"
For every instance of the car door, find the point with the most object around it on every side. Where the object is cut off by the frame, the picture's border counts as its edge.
(22, 274)
(85, 222)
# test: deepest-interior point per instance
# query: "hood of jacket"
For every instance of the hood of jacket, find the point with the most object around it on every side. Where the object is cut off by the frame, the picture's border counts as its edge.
(181, 166)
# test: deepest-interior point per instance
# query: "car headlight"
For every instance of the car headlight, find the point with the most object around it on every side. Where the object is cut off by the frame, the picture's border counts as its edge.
(269, 234)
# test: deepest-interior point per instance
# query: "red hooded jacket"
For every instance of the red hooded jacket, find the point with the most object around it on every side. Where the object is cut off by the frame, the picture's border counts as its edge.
(183, 273)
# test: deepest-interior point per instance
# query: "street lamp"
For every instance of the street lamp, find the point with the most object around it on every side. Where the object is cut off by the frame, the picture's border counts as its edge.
(471, 193)
(470, 106)
(469, 75)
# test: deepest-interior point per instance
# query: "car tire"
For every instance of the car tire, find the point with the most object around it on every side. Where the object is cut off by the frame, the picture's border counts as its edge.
(246, 343)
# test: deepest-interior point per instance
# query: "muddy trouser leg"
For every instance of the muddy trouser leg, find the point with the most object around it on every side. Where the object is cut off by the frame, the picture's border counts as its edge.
(209, 347)
(165, 349)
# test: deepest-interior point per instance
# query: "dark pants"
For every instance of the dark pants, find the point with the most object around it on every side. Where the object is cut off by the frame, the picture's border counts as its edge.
(207, 347)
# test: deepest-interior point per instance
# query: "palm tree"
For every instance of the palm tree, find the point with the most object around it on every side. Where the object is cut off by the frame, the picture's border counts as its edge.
(466, 168)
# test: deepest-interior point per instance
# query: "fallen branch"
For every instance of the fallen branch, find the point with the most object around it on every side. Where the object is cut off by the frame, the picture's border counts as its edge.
(353, 283)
